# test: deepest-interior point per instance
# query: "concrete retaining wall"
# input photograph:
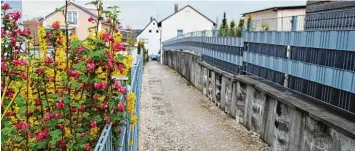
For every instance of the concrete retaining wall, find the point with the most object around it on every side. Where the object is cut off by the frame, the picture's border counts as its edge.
(283, 121)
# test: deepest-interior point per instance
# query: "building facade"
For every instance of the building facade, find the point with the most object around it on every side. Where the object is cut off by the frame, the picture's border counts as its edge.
(78, 16)
(150, 35)
(275, 18)
(182, 21)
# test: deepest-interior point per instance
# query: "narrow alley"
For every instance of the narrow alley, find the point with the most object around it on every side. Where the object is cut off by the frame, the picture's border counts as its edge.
(176, 116)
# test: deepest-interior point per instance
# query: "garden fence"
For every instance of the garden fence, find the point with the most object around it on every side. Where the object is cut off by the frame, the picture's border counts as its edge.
(105, 142)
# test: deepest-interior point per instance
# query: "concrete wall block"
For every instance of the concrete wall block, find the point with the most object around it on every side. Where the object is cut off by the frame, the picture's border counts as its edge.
(257, 111)
(233, 108)
(223, 93)
(282, 127)
(218, 88)
(341, 142)
(205, 81)
(296, 129)
(228, 97)
(316, 136)
(241, 105)
(248, 106)
(269, 120)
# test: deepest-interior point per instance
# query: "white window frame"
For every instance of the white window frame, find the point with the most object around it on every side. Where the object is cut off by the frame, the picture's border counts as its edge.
(77, 17)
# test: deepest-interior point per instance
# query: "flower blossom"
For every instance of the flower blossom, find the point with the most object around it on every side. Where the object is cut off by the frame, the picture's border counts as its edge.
(80, 49)
(90, 66)
(10, 93)
(62, 144)
(117, 47)
(103, 106)
(74, 74)
(42, 135)
(100, 85)
(22, 125)
(107, 37)
(90, 19)
(5, 6)
(87, 147)
(48, 60)
(93, 124)
(48, 116)
(60, 104)
(120, 107)
(56, 25)
(15, 15)
(2, 32)
(20, 62)
(3, 65)
(119, 88)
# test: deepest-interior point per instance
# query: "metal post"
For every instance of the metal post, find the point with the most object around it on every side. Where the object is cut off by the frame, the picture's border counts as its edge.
(294, 23)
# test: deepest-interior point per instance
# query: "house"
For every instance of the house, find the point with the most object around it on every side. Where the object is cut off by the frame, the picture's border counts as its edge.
(275, 18)
(182, 21)
(78, 16)
(150, 35)
(33, 26)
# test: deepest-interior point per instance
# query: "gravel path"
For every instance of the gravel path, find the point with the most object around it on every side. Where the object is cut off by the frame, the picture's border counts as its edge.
(176, 116)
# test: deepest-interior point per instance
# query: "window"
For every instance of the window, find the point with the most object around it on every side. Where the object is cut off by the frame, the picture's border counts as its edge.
(73, 17)
(153, 23)
(150, 31)
(157, 31)
(179, 32)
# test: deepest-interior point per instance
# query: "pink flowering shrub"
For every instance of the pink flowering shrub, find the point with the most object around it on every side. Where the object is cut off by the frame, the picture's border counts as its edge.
(61, 100)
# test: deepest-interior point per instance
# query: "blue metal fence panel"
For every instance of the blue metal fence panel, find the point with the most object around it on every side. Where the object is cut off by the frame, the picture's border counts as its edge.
(339, 40)
(105, 140)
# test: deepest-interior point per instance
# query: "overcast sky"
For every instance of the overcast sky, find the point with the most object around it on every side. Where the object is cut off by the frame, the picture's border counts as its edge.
(136, 14)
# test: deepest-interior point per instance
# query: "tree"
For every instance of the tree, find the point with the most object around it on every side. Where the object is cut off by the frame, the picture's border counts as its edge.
(224, 26)
(239, 29)
(232, 28)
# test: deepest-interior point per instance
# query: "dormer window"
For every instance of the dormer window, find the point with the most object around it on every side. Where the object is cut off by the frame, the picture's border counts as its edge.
(73, 17)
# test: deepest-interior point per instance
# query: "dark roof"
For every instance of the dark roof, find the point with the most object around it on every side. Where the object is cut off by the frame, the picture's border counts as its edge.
(125, 33)
(159, 23)
(76, 5)
(147, 26)
(277, 8)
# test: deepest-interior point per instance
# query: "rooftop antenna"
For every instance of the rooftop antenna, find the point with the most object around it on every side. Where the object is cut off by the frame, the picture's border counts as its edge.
(157, 14)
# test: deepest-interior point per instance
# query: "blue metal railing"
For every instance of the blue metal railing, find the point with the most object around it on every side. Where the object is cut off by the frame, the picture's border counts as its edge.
(105, 142)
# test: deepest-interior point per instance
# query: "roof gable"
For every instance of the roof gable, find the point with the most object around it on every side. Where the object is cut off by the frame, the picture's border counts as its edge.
(75, 5)
(159, 24)
(153, 20)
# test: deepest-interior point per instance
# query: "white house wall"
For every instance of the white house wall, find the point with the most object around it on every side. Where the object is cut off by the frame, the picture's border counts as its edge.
(151, 39)
(188, 20)
(284, 24)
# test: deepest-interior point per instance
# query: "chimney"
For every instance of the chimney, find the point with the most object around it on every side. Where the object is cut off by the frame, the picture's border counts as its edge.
(151, 18)
(176, 8)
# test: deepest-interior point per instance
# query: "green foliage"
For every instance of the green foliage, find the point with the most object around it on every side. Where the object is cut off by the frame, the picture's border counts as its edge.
(223, 29)
(265, 27)
(232, 28)
(239, 29)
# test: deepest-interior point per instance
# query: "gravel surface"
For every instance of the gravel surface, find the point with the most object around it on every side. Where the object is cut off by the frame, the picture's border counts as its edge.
(176, 116)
